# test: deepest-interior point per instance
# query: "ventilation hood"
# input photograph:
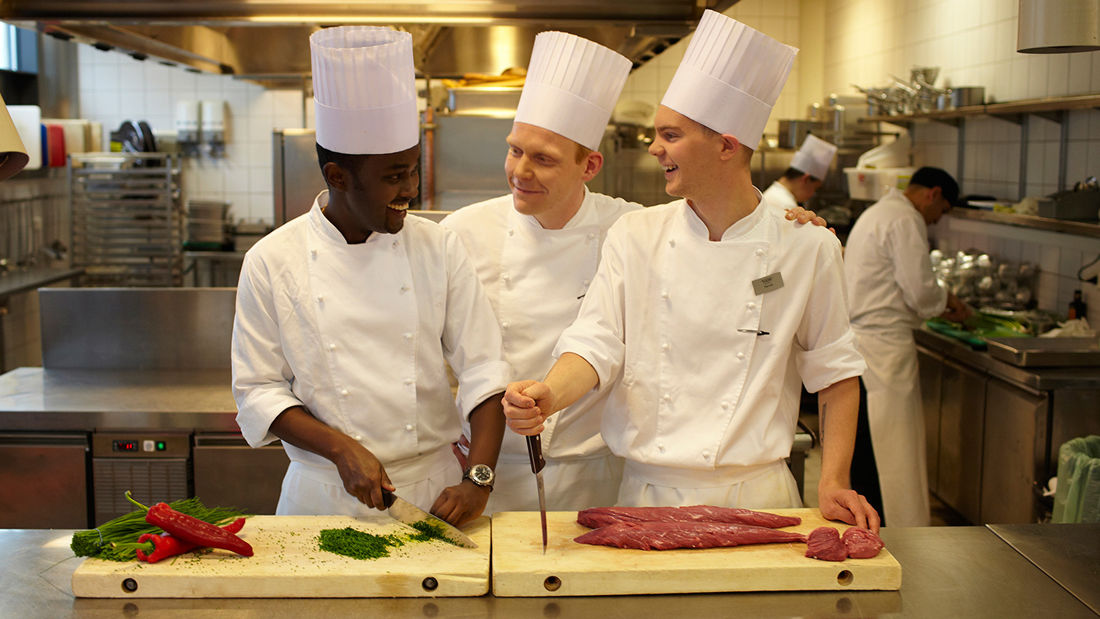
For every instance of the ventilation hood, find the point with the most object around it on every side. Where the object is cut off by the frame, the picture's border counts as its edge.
(265, 41)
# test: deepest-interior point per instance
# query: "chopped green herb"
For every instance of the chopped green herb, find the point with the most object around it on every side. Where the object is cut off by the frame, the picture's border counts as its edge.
(357, 544)
(428, 532)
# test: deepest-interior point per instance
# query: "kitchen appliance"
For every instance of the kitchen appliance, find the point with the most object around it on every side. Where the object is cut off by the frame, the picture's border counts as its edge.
(256, 473)
(1083, 205)
(295, 171)
(44, 480)
(288, 564)
(793, 132)
(153, 466)
(572, 569)
(1058, 26)
(207, 225)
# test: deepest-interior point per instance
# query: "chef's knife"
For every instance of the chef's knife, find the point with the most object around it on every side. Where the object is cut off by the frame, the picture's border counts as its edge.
(534, 450)
(403, 511)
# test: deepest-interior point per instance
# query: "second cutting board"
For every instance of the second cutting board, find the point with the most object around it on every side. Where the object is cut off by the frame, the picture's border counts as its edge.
(520, 569)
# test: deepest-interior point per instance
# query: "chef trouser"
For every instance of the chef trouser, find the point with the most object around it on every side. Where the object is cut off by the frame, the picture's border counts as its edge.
(316, 490)
(896, 420)
(765, 486)
(571, 484)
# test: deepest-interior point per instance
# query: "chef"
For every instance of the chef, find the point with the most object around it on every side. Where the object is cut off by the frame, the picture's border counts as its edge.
(800, 182)
(891, 288)
(543, 241)
(707, 313)
(347, 314)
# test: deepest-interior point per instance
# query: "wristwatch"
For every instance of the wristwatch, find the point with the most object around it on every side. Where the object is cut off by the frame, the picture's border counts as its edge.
(481, 474)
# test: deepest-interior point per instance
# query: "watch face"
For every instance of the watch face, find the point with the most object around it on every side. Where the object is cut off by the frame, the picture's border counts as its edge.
(481, 474)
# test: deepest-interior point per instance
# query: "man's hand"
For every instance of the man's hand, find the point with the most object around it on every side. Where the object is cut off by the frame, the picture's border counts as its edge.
(362, 474)
(956, 311)
(804, 216)
(847, 505)
(461, 503)
(524, 403)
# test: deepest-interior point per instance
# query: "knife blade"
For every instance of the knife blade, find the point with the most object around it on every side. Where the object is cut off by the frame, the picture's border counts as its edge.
(534, 450)
(401, 510)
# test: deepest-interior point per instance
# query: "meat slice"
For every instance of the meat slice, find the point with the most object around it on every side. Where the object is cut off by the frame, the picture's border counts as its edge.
(602, 516)
(861, 543)
(670, 535)
(824, 543)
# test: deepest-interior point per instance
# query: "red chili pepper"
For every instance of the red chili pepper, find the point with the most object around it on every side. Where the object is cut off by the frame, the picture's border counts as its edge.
(191, 529)
(165, 545)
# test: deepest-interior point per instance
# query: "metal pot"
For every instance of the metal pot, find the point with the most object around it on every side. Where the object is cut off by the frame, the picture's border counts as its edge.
(967, 95)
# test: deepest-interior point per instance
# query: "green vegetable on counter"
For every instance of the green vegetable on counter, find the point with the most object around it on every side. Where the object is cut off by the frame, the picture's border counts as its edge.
(116, 540)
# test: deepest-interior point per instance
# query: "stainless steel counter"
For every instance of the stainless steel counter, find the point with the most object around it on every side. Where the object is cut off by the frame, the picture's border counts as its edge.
(1041, 379)
(34, 398)
(1068, 553)
(947, 572)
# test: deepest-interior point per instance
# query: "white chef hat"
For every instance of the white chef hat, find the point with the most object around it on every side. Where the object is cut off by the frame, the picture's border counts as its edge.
(730, 77)
(571, 87)
(815, 157)
(364, 90)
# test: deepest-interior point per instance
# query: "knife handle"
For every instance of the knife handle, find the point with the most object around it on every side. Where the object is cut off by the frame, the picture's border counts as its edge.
(388, 498)
(534, 450)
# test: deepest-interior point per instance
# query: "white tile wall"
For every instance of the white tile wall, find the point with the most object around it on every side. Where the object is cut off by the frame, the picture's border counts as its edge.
(115, 87)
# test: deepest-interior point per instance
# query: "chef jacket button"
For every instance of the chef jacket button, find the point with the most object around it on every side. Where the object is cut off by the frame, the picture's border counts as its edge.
(664, 346)
(664, 294)
(332, 346)
(313, 252)
(672, 242)
(511, 232)
(740, 355)
(505, 277)
(344, 392)
(408, 427)
(725, 405)
(504, 325)
(706, 455)
(320, 299)
(409, 381)
(666, 397)
(750, 305)
(358, 437)
(409, 336)
(760, 252)
(404, 288)
(661, 448)
(395, 244)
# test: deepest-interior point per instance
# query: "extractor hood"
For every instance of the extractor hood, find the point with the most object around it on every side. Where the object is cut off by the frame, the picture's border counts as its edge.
(266, 40)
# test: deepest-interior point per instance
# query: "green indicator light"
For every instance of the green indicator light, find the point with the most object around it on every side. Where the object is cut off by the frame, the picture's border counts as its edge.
(161, 446)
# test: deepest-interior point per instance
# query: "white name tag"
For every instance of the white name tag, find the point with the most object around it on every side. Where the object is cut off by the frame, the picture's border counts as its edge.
(768, 283)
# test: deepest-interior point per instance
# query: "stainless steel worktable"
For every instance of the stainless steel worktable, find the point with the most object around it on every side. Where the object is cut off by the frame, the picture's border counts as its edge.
(946, 572)
(34, 398)
(1068, 553)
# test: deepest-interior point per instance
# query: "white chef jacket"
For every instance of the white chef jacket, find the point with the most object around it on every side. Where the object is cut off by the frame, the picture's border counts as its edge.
(358, 335)
(710, 370)
(780, 197)
(891, 284)
(892, 287)
(517, 260)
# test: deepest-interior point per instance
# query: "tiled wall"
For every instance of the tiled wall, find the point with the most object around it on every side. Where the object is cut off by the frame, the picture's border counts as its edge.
(115, 87)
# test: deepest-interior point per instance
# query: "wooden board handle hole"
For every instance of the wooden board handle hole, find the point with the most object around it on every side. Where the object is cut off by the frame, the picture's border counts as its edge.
(129, 585)
(845, 577)
(430, 584)
(552, 583)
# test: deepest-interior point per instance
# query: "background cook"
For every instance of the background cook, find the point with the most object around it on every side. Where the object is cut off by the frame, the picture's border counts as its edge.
(346, 314)
(800, 182)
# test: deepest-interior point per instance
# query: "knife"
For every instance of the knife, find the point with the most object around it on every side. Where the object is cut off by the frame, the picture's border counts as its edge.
(534, 450)
(403, 511)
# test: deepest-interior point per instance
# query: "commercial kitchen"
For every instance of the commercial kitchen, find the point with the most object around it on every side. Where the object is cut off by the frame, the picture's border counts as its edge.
(163, 140)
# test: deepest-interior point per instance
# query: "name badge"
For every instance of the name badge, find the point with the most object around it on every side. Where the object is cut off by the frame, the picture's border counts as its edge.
(768, 283)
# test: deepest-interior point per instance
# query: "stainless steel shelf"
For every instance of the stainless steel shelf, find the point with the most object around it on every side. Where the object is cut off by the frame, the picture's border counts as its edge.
(1079, 228)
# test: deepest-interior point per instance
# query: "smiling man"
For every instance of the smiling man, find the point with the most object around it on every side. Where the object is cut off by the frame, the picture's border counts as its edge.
(347, 316)
(707, 313)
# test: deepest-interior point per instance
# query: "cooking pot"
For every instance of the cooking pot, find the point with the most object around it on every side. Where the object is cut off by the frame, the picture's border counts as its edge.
(967, 95)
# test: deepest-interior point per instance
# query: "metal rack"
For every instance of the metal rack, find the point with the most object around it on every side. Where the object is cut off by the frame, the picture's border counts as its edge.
(127, 218)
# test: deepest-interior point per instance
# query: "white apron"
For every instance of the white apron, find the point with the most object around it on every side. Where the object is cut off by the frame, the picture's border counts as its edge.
(896, 420)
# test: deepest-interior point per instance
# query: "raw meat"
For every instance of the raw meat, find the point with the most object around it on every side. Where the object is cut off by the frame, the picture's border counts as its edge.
(861, 543)
(602, 516)
(670, 535)
(824, 543)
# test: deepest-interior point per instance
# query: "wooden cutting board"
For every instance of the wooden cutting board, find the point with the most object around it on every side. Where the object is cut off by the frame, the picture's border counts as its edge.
(288, 564)
(520, 569)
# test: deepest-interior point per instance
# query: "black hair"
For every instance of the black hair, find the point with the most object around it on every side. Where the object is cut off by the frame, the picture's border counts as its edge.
(351, 163)
(793, 174)
(936, 177)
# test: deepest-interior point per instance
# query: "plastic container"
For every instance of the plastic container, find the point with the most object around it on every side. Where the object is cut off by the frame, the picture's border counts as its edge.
(872, 184)
(1077, 498)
